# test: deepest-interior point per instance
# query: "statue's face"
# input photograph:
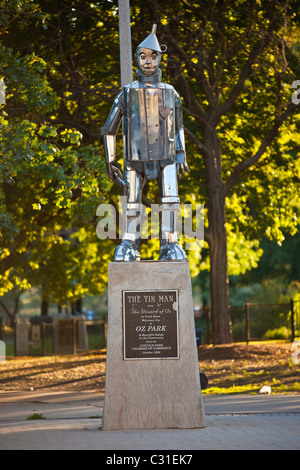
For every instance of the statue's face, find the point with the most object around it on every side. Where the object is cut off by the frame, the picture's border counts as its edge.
(148, 61)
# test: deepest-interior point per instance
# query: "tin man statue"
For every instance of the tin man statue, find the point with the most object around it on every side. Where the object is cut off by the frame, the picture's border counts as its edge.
(154, 149)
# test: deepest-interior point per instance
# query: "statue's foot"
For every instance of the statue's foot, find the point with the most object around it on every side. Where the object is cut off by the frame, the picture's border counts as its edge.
(126, 252)
(172, 251)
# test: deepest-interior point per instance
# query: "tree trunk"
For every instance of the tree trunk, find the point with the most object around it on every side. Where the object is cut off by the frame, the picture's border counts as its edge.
(12, 315)
(219, 288)
(78, 306)
(44, 307)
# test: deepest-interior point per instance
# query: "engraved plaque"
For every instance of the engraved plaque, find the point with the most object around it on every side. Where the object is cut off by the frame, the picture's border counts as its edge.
(150, 324)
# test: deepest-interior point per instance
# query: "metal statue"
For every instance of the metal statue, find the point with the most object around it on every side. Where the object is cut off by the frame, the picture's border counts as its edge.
(154, 148)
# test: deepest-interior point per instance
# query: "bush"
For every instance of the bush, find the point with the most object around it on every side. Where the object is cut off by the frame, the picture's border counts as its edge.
(278, 333)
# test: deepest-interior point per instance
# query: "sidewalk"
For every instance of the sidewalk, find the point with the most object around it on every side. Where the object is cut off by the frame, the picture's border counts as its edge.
(233, 422)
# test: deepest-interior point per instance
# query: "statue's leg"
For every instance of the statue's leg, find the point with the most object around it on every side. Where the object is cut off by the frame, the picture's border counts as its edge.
(169, 247)
(129, 249)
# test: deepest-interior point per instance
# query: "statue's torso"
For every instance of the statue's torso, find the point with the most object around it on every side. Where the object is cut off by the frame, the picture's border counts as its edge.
(149, 124)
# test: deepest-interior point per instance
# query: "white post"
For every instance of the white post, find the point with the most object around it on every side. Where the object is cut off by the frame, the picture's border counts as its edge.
(125, 42)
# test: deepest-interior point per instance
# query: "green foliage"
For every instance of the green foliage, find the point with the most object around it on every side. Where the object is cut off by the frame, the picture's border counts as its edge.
(276, 277)
(238, 59)
(278, 333)
(60, 63)
(51, 182)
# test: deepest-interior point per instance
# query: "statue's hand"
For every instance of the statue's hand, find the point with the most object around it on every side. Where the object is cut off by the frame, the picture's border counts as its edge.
(183, 168)
(113, 172)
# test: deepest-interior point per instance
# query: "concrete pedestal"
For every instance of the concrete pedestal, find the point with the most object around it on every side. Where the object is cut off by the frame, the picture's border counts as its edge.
(154, 382)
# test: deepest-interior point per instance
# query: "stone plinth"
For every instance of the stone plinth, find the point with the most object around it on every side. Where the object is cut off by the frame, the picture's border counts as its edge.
(152, 375)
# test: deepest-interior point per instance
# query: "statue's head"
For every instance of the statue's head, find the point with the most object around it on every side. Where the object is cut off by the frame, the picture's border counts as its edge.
(148, 54)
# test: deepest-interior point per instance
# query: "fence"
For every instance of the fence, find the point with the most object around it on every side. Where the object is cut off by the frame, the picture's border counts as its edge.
(251, 322)
(256, 322)
(45, 336)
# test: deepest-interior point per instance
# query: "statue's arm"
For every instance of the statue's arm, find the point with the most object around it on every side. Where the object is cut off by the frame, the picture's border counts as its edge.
(179, 138)
(109, 133)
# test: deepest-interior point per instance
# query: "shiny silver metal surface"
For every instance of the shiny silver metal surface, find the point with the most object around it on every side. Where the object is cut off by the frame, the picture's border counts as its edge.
(167, 182)
(154, 148)
(126, 252)
(172, 251)
(151, 41)
(148, 60)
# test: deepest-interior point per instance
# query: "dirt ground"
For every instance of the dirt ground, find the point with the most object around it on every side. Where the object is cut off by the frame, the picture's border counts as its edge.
(242, 368)
(237, 368)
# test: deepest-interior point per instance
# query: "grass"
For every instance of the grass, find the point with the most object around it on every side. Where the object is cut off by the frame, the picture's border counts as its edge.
(277, 388)
(35, 416)
(239, 368)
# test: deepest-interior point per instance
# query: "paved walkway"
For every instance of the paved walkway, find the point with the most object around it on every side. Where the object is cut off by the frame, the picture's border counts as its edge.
(74, 422)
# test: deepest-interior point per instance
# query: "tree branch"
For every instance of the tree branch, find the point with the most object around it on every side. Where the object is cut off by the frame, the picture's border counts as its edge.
(256, 50)
(8, 262)
(186, 59)
(197, 142)
(244, 74)
(190, 100)
(12, 314)
(267, 140)
(5, 308)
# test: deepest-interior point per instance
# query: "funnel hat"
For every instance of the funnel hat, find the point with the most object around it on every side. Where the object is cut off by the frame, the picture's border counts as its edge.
(151, 42)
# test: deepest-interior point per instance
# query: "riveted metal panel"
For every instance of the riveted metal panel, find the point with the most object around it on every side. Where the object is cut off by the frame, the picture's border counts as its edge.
(152, 99)
(149, 123)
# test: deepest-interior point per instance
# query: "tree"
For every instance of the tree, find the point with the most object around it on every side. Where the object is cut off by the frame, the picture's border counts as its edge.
(52, 179)
(12, 312)
(233, 62)
(234, 68)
